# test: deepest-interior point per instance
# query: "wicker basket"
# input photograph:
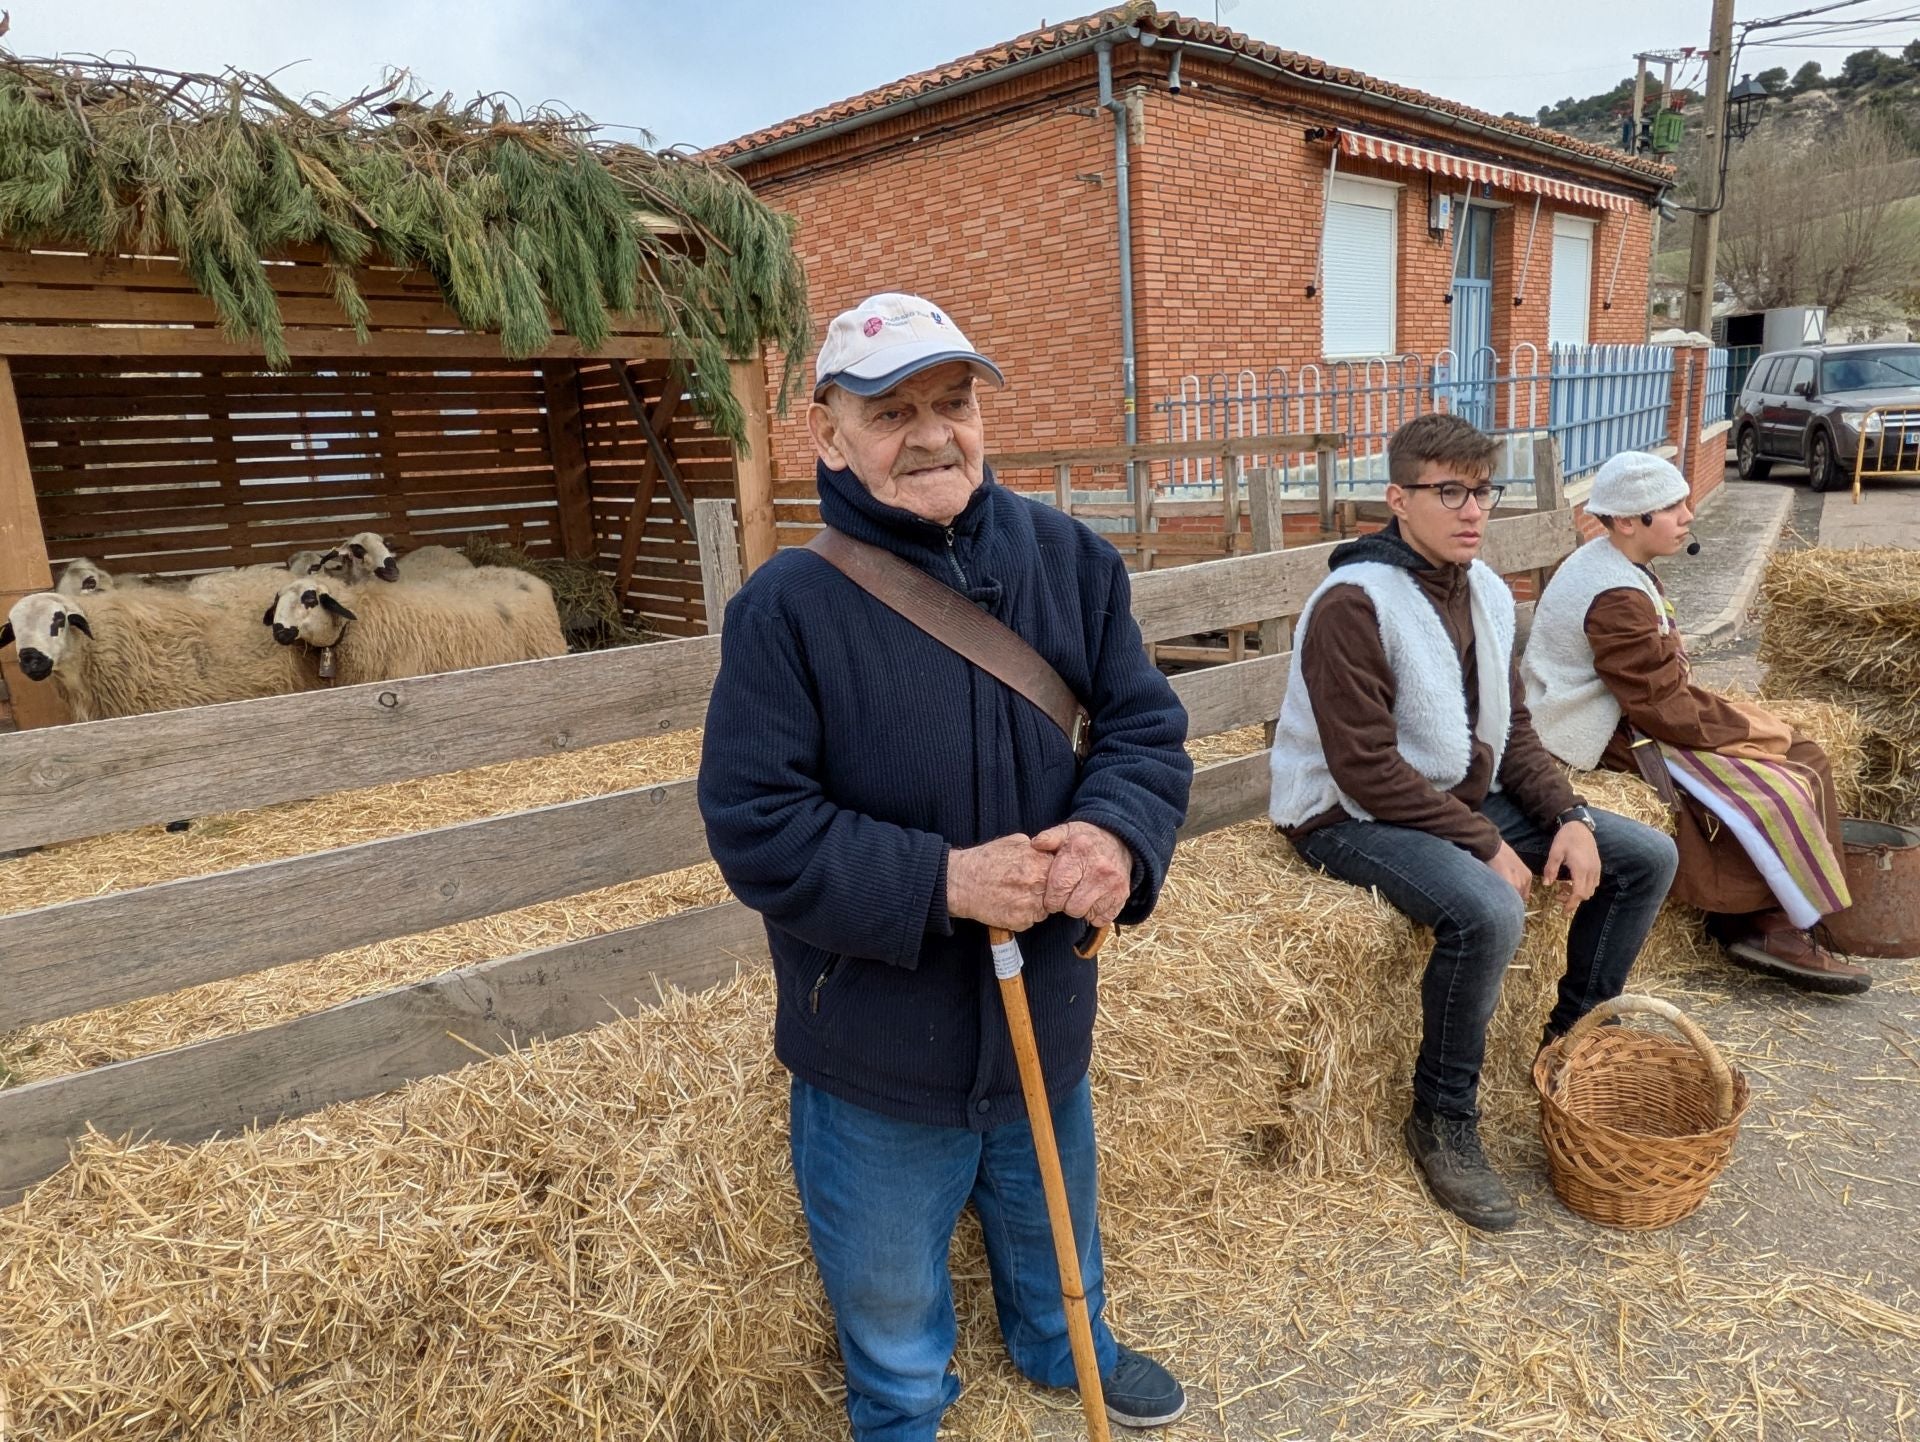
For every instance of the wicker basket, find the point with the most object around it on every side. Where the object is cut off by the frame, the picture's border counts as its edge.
(1637, 1125)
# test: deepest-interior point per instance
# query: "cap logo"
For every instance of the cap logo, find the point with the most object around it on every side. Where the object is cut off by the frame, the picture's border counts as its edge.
(872, 327)
(938, 319)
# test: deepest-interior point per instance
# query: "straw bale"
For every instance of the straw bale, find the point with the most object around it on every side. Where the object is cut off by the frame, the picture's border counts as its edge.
(598, 1236)
(1844, 626)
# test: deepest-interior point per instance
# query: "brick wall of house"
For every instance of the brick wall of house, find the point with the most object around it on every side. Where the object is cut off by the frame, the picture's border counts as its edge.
(1009, 223)
(1001, 207)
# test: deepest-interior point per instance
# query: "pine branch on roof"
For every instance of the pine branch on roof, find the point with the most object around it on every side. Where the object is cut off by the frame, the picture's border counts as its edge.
(526, 221)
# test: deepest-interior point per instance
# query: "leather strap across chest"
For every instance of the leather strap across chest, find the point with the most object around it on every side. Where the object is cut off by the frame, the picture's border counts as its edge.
(959, 625)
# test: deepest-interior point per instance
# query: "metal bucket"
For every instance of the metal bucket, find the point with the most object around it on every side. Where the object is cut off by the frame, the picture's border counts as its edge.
(1883, 872)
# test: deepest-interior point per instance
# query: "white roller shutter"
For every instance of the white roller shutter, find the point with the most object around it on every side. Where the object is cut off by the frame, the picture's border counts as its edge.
(1357, 301)
(1572, 295)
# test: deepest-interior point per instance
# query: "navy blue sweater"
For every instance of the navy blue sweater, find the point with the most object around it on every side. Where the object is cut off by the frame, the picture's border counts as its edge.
(846, 751)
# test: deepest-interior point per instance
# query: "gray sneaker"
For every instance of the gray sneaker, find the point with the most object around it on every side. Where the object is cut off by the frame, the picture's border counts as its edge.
(1447, 1152)
(1142, 1393)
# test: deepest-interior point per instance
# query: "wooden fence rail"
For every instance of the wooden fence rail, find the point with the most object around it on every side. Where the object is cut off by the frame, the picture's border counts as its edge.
(82, 780)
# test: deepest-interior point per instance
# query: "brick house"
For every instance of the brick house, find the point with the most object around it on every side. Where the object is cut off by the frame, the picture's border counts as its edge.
(1282, 211)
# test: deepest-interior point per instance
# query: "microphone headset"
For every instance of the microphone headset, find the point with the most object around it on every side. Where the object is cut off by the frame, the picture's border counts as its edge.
(1646, 519)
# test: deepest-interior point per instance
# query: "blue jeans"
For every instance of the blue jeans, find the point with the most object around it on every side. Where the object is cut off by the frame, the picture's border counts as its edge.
(882, 1198)
(1477, 921)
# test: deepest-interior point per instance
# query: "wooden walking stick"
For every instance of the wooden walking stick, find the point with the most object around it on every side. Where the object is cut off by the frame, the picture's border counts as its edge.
(1007, 963)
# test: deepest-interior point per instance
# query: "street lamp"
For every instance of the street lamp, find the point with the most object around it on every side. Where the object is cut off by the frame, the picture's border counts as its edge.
(1743, 106)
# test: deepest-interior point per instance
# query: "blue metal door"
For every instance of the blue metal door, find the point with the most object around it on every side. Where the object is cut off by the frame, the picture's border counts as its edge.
(1473, 358)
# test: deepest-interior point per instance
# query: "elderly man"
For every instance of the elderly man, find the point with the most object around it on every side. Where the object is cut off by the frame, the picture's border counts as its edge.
(882, 801)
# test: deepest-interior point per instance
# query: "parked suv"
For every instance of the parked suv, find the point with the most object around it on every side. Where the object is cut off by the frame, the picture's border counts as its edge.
(1808, 406)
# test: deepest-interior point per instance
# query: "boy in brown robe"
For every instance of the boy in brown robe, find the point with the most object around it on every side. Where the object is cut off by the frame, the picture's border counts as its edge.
(1609, 684)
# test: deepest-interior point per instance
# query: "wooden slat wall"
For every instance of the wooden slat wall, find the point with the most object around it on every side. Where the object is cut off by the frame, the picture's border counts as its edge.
(65, 304)
(664, 593)
(192, 470)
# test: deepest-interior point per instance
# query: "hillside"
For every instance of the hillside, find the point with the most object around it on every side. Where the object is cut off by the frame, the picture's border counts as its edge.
(1794, 120)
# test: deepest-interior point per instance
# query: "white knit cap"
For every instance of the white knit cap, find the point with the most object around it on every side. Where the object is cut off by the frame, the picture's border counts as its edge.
(1634, 483)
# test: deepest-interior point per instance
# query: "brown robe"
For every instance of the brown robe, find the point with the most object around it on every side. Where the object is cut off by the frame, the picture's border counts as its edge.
(1648, 675)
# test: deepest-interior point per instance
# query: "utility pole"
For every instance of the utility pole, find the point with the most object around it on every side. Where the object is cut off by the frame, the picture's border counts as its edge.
(1639, 105)
(1709, 185)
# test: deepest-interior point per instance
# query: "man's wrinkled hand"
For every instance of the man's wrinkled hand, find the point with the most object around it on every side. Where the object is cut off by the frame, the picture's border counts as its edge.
(1003, 883)
(1091, 875)
(1575, 852)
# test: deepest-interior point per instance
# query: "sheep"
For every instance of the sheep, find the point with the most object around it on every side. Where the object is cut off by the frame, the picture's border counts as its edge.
(433, 562)
(83, 577)
(305, 563)
(381, 634)
(244, 586)
(361, 558)
(130, 651)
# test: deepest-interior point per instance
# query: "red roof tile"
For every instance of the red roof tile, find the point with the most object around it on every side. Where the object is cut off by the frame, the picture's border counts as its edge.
(1144, 14)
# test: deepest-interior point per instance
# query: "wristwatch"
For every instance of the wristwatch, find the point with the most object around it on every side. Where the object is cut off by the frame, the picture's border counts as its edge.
(1578, 815)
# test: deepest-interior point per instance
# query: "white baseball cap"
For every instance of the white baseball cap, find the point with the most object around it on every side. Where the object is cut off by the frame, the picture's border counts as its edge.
(886, 338)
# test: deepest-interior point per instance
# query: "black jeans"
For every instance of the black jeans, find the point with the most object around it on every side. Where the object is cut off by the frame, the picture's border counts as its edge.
(1477, 921)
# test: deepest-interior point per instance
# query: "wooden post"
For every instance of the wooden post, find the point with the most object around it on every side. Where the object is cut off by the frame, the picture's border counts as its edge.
(753, 464)
(1269, 534)
(719, 558)
(567, 449)
(1549, 494)
(1232, 473)
(1063, 488)
(23, 558)
(1140, 478)
(1323, 465)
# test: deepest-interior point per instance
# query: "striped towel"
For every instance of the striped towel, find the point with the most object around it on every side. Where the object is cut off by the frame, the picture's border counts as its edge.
(1773, 810)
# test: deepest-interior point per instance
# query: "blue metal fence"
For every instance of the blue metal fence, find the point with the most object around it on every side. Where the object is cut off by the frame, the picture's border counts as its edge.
(1597, 400)
(1713, 395)
(1606, 399)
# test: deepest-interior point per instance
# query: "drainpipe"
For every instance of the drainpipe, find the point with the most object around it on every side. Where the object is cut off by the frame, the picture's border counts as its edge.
(1109, 101)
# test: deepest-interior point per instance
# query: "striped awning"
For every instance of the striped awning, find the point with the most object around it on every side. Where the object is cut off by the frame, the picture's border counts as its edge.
(1361, 145)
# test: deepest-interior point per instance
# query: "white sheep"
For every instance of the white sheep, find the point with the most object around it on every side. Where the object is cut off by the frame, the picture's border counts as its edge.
(424, 563)
(305, 563)
(361, 558)
(381, 633)
(84, 577)
(140, 649)
(247, 587)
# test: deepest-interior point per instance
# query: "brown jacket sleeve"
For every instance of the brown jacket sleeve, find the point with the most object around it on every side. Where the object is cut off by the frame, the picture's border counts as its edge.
(1344, 667)
(1528, 771)
(1647, 674)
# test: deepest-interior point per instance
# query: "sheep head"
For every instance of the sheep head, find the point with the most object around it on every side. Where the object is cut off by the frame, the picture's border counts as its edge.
(305, 563)
(44, 627)
(362, 558)
(84, 578)
(308, 610)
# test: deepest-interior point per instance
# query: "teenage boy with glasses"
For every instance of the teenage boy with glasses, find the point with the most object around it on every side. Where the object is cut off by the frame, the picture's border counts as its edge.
(1429, 785)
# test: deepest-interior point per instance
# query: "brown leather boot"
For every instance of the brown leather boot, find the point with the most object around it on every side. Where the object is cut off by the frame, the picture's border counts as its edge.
(1779, 948)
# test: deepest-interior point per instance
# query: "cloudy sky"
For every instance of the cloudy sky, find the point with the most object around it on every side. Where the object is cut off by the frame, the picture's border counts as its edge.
(700, 71)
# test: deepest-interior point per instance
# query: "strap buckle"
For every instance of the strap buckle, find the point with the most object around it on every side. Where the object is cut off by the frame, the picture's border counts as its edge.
(1081, 735)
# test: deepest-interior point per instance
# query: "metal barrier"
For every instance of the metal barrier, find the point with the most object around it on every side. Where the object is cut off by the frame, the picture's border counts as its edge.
(1889, 447)
(1595, 400)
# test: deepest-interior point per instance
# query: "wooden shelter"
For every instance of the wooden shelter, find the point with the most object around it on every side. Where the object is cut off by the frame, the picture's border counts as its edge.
(162, 411)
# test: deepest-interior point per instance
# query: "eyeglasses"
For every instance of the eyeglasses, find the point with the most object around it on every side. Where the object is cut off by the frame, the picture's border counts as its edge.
(1453, 495)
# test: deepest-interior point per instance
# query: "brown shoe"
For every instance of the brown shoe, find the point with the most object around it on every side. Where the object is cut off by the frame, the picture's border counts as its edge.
(1781, 949)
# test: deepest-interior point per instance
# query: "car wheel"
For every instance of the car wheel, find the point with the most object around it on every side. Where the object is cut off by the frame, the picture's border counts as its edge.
(1753, 466)
(1823, 471)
